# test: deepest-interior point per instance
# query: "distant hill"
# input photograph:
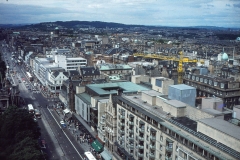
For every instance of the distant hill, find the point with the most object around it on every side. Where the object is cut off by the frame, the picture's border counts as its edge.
(80, 24)
(97, 24)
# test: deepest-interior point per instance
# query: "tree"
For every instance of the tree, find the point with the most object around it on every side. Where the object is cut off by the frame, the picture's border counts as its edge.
(19, 135)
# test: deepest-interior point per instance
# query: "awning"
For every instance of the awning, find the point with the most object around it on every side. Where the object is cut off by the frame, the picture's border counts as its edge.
(106, 155)
(66, 111)
(97, 146)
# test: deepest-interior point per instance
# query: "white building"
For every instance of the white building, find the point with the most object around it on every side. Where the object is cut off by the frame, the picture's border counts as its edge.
(72, 63)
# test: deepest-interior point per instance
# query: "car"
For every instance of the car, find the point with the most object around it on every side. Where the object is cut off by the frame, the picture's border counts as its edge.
(63, 124)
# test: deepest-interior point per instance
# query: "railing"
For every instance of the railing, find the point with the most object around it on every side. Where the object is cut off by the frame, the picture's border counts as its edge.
(142, 130)
(169, 149)
(152, 147)
(131, 123)
(152, 155)
(141, 138)
(140, 154)
(122, 117)
(168, 158)
(130, 131)
(153, 138)
(140, 146)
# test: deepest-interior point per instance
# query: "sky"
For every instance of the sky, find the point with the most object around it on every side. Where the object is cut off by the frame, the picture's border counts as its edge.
(221, 13)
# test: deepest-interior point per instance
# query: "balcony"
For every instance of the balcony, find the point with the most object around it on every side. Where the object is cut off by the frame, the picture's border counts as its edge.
(131, 123)
(152, 155)
(142, 130)
(141, 138)
(130, 131)
(153, 138)
(121, 131)
(152, 147)
(169, 149)
(131, 138)
(140, 146)
(102, 122)
(131, 146)
(122, 116)
(121, 124)
(140, 154)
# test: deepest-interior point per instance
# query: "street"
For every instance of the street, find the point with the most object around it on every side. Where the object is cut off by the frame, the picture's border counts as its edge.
(59, 144)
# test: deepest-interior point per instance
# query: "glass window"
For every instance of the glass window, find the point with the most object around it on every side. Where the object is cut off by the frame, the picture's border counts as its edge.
(193, 77)
(215, 83)
(201, 79)
(197, 78)
(222, 85)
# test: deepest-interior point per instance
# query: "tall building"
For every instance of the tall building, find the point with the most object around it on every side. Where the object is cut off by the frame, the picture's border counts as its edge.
(150, 126)
(208, 86)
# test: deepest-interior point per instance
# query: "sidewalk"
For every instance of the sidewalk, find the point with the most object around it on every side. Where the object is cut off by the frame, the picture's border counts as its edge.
(77, 130)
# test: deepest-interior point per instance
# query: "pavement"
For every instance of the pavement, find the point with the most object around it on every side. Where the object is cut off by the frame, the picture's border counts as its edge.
(76, 128)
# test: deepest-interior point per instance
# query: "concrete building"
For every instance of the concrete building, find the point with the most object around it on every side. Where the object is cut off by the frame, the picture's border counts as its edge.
(208, 86)
(153, 127)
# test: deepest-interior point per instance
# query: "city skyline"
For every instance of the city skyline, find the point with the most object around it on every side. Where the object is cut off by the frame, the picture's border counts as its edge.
(220, 13)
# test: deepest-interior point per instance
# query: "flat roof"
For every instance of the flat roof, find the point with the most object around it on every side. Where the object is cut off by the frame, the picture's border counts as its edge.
(152, 109)
(182, 86)
(112, 88)
(176, 103)
(86, 98)
(212, 111)
(152, 93)
(222, 126)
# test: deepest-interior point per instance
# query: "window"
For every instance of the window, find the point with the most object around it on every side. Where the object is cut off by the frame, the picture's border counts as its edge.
(205, 81)
(215, 83)
(160, 156)
(193, 77)
(147, 146)
(210, 82)
(136, 122)
(161, 138)
(161, 147)
(222, 85)
(147, 129)
(146, 154)
(147, 138)
(197, 78)
(201, 79)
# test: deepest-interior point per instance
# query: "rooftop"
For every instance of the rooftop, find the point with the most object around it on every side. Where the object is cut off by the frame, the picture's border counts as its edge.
(182, 87)
(176, 103)
(86, 98)
(222, 126)
(112, 88)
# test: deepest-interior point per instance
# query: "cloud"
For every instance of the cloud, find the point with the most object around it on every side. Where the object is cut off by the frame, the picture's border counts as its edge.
(146, 12)
(236, 5)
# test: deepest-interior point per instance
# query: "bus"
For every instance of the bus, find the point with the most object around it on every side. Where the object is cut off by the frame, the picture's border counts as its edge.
(30, 108)
(89, 156)
(29, 76)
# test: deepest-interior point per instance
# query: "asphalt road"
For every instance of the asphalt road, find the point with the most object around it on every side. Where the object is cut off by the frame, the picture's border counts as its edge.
(60, 144)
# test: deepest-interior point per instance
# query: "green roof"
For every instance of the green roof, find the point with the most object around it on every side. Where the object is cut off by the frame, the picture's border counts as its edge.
(111, 88)
(97, 146)
(86, 98)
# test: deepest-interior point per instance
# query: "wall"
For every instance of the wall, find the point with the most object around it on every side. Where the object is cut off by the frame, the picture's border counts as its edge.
(196, 114)
(165, 84)
(150, 99)
(219, 136)
(80, 89)
(82, 109)
(237, 111)
(138, 78)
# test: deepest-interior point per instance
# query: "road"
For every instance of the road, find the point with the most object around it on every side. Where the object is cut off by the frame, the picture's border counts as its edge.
(60, 144)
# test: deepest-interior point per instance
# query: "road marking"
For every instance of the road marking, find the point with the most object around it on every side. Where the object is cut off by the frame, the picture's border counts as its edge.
(65, 134)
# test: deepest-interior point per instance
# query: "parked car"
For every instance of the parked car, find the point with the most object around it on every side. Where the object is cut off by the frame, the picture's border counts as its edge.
(63, 124)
